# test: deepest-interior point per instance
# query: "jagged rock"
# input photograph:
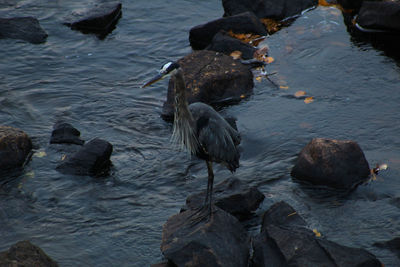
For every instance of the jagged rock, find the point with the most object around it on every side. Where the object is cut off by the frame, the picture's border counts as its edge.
(25, 253)
(285, 240)
(23, 28)
(335, 163)
(190, 239)
(100, 19)
(226, 44)
(15, 146)
(212, 78)
(393, 245)
(231, 195)
(200, 36)
(380, 16)
(92, 159)
(65, 133)
(268, 8)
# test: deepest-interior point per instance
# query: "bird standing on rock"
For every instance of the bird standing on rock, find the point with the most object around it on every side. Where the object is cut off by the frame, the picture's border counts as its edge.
(200, 129)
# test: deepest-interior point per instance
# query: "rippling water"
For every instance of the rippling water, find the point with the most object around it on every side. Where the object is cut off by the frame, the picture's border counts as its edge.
(94, 85)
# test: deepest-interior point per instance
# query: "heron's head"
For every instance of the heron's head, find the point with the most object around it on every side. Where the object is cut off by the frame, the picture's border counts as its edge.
(167, 70)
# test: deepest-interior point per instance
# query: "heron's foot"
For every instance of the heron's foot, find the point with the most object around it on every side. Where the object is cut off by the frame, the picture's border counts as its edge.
(202, 214)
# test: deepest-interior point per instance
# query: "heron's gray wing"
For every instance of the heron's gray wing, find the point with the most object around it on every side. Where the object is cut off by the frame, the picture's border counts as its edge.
(219, 140)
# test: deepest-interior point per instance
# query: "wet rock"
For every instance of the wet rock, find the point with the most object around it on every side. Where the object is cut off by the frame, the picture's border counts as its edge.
(212, 78)
(226, 44)
(335, 163)
(15, 147)
(65, 133)
(268, 8)
(231, 195)
(162, 264)
(92, 159)
(285, 240)
(393, 245)
(101, 19)
(188, 240)
(380, 16)
(23, 28)
(25, 253)
(350, 5)
(201, 36)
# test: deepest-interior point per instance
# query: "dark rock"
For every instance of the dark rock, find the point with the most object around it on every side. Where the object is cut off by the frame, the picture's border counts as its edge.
(190, 240)
(65, 133)
(15, 147)
(212, 78)
(350, 5)
(288, 242)
(25, 253)
(23, 28)
(226, 44)
(101, 19)
(380, 16)
(393, 245)
(200, 36)
(268, 8)
(231, 195)
(92, 159)
(162, 264)
(335, 163)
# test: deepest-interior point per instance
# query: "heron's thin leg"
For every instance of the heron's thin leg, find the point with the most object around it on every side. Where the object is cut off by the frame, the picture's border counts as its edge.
(209, 185)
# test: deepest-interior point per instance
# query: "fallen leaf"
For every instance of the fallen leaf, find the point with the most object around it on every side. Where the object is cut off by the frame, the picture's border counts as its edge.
(30, 174)
(285, 87)
(299, 93)
(309, 100)
(259, 78)
(271, 25)
(236, 54)
(291, 214)
(63, 157)
(242, 96)
(40, 154)
(378, 168)
(260, 53)
(269, 60)
(253, 39)
(317, 234)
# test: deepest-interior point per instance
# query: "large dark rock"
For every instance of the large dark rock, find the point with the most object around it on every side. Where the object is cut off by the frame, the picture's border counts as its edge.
(200, 36)
(380, 16)
(212, 78)
(335, 163)
(285, 240)
(393, 245)
(92, 159)
(65, 133)
(15, 147)
(268, 8)
(100, 19)
(231, 195)
(25, 253)
(226, 44)
(350, 5)
(23, 28)
(188, 240)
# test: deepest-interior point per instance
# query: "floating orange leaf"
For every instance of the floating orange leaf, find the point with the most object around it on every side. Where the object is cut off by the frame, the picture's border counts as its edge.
(291, 214)
(269, 60)
(242, 96)
(259, 78)
(317, 234)
(309, 100)
(236, 54)
(299, 93)
(285, 87)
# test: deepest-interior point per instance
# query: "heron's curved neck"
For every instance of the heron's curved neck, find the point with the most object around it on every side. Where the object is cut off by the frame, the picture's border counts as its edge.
(182, 111)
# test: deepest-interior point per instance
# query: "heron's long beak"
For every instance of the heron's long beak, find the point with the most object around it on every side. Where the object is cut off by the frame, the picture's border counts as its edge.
(155, 79)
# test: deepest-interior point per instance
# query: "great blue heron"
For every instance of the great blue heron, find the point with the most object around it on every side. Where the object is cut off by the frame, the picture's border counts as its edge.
(200, 129)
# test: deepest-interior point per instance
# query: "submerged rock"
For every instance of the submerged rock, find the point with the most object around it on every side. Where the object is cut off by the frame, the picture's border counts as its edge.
(268, 8)
(101, 19)
(65, 133)
(335, 163)
(393, 245)
(25, 253)
(15, 147)
(201, 36)
(285, 240)
(23, 28)
(226, 44)
(190, 239)
(212, 78)
(383, 16)
(231, 195)
(92, 159)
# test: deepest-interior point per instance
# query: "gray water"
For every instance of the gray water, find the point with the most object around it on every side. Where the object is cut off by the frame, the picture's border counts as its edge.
(94, 85)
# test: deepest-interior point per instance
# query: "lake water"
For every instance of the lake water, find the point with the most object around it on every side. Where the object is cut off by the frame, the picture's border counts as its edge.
(94, 85)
